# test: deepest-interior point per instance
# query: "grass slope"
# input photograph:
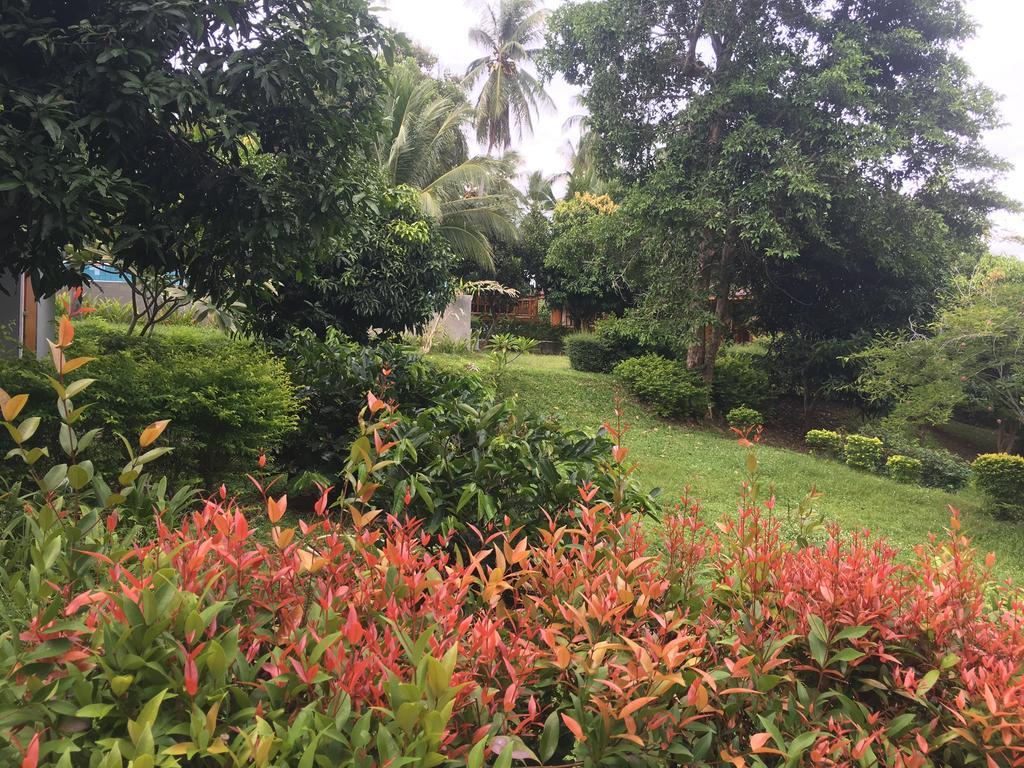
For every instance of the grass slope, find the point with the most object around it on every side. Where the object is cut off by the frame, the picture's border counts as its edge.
(672, 457)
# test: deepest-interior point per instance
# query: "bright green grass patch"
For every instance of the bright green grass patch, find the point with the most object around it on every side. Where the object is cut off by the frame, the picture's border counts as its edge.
(673, 457)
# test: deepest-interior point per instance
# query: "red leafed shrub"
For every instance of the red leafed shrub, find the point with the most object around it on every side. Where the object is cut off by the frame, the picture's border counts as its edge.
(356, 638)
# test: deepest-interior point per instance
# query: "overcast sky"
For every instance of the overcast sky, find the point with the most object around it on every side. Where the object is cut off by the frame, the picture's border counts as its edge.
(996, 54)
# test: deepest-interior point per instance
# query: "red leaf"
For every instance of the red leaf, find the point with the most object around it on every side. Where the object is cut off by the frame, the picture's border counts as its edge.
(573, 726)
(31, 759)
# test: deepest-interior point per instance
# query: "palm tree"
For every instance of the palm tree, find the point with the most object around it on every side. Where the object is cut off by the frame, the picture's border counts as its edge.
(540, 191)
(424, 146)
(510, 94)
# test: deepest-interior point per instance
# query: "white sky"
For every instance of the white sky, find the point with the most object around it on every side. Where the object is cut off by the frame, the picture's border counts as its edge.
(996, 55)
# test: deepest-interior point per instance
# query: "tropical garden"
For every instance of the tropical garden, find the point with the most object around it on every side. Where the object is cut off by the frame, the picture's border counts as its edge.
(760, 504)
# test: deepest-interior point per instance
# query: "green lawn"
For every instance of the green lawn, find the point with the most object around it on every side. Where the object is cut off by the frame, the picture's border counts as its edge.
(672, 457)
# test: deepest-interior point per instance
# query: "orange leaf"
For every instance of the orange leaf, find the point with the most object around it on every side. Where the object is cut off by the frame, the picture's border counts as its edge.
(573, 726)
(74, 365)
(282, 538)
(66, 333)
(276, 509)
(152, 432)
(13, 407)
(374, 402)
(736, 760)
(758, 740)
(634, 705)
(31, 759)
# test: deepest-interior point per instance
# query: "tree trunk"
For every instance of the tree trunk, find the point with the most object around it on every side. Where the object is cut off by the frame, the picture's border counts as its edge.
(723, 310)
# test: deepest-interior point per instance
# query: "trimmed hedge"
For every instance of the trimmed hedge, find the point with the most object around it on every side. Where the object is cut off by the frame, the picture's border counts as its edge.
(904, 469)
(591, 353)
(825, 441)
(862, 452)
(667, 385)
(744, 418)
(1000, 476)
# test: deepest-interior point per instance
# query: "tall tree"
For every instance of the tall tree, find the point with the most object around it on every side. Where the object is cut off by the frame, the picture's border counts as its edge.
(757, 133)
(201, 137)
(511, 94)
(423, 145)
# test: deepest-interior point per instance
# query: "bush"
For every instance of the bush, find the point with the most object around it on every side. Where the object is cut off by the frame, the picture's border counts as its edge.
(1000, 476)
(744, 418)
(825, 441)
(904, 469)
(591, 353)
(541, 330)
(941, 468)
(666, 385)
(632, 336)
(466, 457)
(862, 452)
(739, 380)
(230, 398)
(472, 462)
(355, 641)
(333, 375)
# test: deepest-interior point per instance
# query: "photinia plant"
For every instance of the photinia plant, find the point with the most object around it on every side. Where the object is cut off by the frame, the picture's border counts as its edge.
(355, 636)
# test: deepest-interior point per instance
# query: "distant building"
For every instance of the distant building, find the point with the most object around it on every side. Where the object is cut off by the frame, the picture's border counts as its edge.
(25, 321)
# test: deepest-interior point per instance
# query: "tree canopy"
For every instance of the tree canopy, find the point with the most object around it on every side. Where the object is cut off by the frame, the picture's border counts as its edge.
(773, 144)
(972, 354)
(209, 138)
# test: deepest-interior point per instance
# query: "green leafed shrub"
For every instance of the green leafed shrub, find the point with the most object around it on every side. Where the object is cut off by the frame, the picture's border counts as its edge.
(333, 375)
(862, 452)
(739, 380)
(632, 336)
(230, 398)
(588, 352)
(904, 469)
(744, 418)
(941, 468)
(825, 441)
(1000, 476)
(666, 385)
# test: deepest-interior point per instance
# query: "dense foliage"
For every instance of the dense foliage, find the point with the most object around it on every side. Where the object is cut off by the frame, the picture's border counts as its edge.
(584, 270)
(740, 379)
(904, 469)
(459, 455)
(751, 182)
(972, 354)
(590, 352)
(389, 271)
(744, 419)
(212, 139)
(667, 385)
(863, 452)
(357, 639)
(231, 399)
(1001, 477)
(825, 440)
(332, 376)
